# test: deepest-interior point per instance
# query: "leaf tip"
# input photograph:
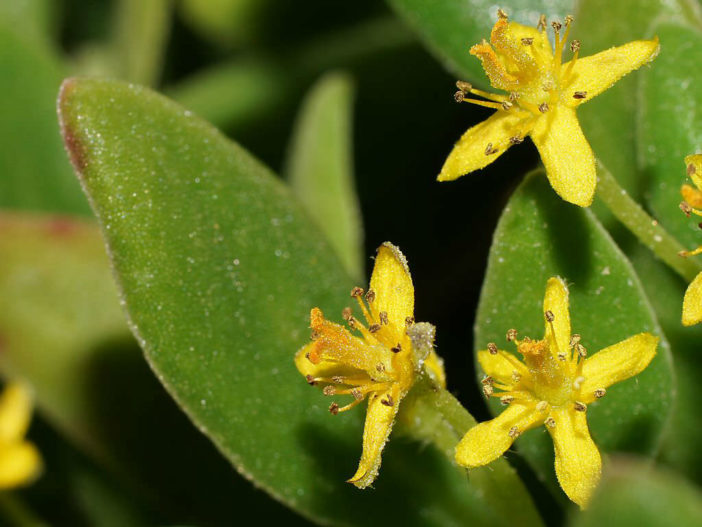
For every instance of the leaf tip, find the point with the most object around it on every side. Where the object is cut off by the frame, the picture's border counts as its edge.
(74, 147)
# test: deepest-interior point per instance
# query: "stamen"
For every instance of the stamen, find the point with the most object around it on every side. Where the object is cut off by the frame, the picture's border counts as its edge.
(511, 335)
(396, 349)
(506, 399)
(516, 140)
(574, 339)
(542, 23)
(409, 321)
(600, 393)
(550, 422)
(489, 150)
(356, 292)
(486, 380)
(314, 335)
(580, 407)
(351, 321)
(549, 316)
(464, 86)
(492, 348)
(577, 383)
(556, 25)
(506, 105)
(575, 46)
(370, 296)
(685, 207)
(569, 20)
(580, 350)
(561, 356)
(388, 401)
(357, 394)
(488, 390)
(486, 104)
(383, 316)
(527, 41)
(380, 367)
(348, 406)
(691, 169)
(310, 380)
(333, 408)
(459, 96)
(338, 379)
(346, 313)
(579, 95)
(513, 96)
(513, 432)
(516, 376)
(541, 406)
(543, 107)
(374, 328)
(329, 390)
(501, 14)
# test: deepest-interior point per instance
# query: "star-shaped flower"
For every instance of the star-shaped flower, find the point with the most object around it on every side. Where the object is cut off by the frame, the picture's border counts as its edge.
(382, 365)
(20, 461)
(542, 95)
(692, 303)
(552, 387)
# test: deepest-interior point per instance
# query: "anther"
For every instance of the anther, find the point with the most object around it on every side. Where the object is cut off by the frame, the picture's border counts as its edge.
(464, 86)
(489, 150)
(388, 401)
(561, 356)
(511, 335)
(488, 390)
(574, 339)
(383, 316)
(541, 406)
(459, 96)
(513, 432)
(527, 41)
(516, 140)
(575, 46)
(543, 107)
(409, 321)
(579, 94)
(513, 96)
(556, 25)
(314, 335)
(357, 394)
(548, 314)
(580, 350)
(506, 399)
(683, 253)
(346, 313)
(568, 20)
(351, 321)
(310, 380)
(373, 328)
(550, 422)
(542, 23)
(487, 380)
(370, 296)
(329, 390)
(516, 376)
(579, 407)
(501, 13)
(600, 393)
(547, 86)
(333, 408)
(506, 105)
(492, 348)
(396, 349)
(691, 169)
(356, 292)
(338, 379)
(685, 207)
(380, 367)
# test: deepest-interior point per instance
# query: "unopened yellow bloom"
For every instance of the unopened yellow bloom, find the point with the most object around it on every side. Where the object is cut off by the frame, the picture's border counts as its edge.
(552, 386)
(692, 303)
(20, 462)
(542, 97)
(382, 365)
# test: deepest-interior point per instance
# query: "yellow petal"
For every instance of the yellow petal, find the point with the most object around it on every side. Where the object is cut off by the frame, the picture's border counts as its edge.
(692, 196)
(693, 164)
(493, 134)
(20, 463)
(379, 420)
(488, 440)
(15, 412)
(392, 284)
(617, 363)
(578, 463)
(566, 154)
(596, 73)
(435, 367)
(692, 303)
(501, 366)
(556, 301)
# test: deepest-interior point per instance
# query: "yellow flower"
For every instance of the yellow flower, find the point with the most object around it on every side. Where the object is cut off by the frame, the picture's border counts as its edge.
(692, 303)
(553, 387)
(20, 462)
(542, 97)
(382, 365)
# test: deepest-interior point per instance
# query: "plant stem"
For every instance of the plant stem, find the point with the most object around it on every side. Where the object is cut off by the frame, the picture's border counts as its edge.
(643, 226)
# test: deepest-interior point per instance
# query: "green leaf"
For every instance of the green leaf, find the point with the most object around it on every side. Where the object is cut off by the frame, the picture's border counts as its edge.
(61, 328)
(231, 22)
(35, 173)
(320, 168)
(33, 19)
(607, 305)
(669, 127)
(638, 495)
(219, 267)
(451, 27)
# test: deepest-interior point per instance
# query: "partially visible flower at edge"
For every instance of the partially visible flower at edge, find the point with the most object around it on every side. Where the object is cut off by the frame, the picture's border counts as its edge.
(692, 302)
(382, 365)
(553, 387)
(542, 97)
(20, 462)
